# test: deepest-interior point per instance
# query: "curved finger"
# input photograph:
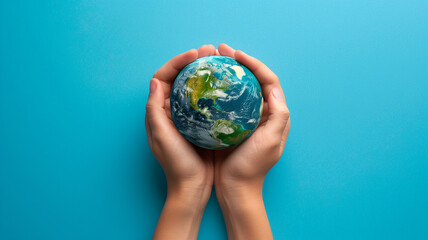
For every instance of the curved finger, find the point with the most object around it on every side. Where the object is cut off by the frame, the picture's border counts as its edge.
(155, 109)
(168, 108)
(148, 131)
(278, 114)
(285, 134)
(170, 69)
(206, 50)
(226, 50)
(267, 79)
(265, 115)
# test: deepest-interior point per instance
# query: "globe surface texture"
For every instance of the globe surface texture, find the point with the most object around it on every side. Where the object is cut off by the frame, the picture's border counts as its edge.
(216, 102)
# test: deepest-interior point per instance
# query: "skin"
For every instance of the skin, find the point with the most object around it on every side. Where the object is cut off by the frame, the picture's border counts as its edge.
(238, 173)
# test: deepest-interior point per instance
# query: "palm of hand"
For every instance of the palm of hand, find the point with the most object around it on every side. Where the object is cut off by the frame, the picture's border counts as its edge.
(260, 152)
(179, 158)
(241, 162)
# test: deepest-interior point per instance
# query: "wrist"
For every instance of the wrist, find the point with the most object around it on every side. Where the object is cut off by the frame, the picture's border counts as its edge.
(189, 195)
(244, 211)
(182, 212)
(239, 194)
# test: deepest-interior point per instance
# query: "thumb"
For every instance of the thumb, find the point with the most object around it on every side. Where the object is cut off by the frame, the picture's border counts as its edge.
(278, 114)
(155, 108)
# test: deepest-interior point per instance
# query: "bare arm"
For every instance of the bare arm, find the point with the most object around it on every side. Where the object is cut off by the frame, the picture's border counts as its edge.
(182, 214)
(188, 169)
(240, 171)
(244, 213)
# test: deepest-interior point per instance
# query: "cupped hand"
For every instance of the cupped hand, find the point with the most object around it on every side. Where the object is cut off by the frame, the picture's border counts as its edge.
(189, 170)
(249, 162)
(238, 172)
(186, 166)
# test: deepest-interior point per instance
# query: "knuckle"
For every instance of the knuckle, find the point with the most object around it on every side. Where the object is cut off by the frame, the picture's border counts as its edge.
(158, 138)
(271, 145)
(272, 76)
(149, 107)
(284, 114)
(156, 74)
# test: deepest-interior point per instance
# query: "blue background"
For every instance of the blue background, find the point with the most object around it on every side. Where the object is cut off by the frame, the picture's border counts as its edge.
(74, 159)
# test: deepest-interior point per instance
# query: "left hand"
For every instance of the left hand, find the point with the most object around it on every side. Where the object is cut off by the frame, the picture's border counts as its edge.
(185, 165)
(189, 169)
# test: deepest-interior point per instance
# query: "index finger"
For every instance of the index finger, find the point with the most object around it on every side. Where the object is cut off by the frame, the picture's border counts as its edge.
(170, 69)
(267, 79)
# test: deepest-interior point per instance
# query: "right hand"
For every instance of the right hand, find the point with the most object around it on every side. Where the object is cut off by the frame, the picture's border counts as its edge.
(249, 162)
(241, 170)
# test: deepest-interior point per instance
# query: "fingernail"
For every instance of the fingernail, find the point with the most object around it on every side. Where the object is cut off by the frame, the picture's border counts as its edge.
(152, 86)
(278, 94)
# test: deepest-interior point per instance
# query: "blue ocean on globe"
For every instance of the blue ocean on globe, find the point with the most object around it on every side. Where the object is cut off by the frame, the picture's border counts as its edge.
(216, 102)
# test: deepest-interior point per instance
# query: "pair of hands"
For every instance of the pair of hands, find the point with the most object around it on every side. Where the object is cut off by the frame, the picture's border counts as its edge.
(237, 173)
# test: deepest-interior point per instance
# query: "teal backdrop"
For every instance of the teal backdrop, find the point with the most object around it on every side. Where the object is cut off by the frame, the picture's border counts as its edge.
(74, 77)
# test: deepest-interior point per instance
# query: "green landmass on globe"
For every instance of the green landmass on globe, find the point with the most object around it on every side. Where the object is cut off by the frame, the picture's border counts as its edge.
(234, 132)
(216, 102)
(205, 86)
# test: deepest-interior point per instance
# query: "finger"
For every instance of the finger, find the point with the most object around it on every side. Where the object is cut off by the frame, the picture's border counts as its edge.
(168, 108)
(148, 131)
(216, 52)
(285, 134)
(206, 50)
(170, 69)
(267, 79)
(225, 50)
(264, 117)
(155, 109)
(278, 114)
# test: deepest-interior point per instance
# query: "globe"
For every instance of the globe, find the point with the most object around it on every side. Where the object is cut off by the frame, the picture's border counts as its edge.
(216, 102)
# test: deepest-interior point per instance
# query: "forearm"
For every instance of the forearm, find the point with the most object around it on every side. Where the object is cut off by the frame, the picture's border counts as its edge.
(244, 212)
(181, 215)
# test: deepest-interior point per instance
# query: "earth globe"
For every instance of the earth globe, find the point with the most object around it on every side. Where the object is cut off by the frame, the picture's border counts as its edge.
(216, 102)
